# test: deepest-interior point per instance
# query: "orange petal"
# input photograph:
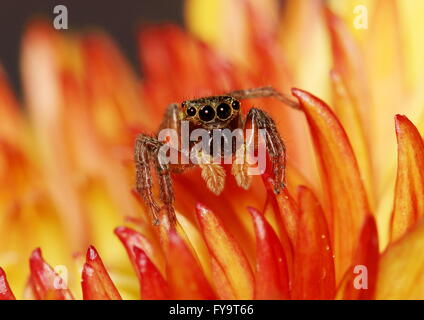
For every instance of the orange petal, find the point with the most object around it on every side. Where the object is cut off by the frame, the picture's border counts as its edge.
(282, 213)
(45, 283)
(347, 109)
(409, 193)
(352, 100)
(152, 284)
(272, 279)
(109, 78)
(289, 213)
(345, 197)
(193, 63)
(304, 37)
(43, 50)
(230, 267)
(367, 255)
(131, 239)
(96, 282)
(185, 277)
(5, 292)
(384, 48)
(315, 276)
(400, 272)
(349, 62)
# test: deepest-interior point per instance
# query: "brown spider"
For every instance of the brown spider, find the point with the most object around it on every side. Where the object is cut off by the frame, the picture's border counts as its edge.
(208, 113)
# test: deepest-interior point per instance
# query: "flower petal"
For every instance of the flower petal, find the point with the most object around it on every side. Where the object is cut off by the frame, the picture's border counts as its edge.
(113, 88)
(230, 266)
(202, 71)
(347, 109)
(185, 276)
(367, 255)
(400, 273)
(272, 279)
(43, 50)
(5, 292)
(152, 284)
(96, 282)
(131, 239)
(282, 213)
(289, 213)
(409, 193)
(45, 283)
(352, 100)
(304, 37)
(339, 175)
(315, 276)
(349, 63)
(384, 48)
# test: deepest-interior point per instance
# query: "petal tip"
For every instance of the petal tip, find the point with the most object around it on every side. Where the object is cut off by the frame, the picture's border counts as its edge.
(91, 253)
(36, 254)
(253, 212)
(201, 209)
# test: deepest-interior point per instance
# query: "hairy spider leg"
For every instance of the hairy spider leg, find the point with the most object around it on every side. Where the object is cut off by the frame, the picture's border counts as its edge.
(146, 152)
(264, 92)
(257, 119)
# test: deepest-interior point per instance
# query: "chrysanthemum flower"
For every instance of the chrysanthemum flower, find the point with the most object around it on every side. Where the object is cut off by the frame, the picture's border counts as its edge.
(67, 173)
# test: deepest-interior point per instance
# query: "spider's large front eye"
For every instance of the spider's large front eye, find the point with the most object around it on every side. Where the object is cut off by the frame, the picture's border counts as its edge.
(207, 113)
(191, 112)
(223, 111)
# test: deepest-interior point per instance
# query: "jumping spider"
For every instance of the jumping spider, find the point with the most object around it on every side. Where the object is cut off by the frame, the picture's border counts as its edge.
(223, 111)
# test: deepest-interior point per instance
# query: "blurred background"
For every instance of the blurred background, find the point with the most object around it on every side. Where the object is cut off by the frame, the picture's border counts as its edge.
(120, 19)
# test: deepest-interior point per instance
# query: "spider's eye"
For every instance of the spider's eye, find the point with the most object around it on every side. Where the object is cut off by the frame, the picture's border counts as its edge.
(223, 111)
(236, 105)
(191, 111)
(207, 113)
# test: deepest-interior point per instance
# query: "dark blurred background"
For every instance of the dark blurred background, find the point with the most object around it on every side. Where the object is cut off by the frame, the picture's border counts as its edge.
(118, 18)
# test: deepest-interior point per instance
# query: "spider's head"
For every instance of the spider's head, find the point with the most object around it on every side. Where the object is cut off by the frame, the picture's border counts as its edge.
(211, 112)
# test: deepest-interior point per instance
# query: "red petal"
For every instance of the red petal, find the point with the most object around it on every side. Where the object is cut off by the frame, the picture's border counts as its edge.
(286, 213)
(152, 284)
(409, 193)
(201, 71)
(271, 280)
(185, 277)
(109, 76)
(367, 255)
(314, 276)
(131, 239)
(342, 184)
(5, 292)
(45, 283)
(230, 267)
(289, 213)
(96, 282)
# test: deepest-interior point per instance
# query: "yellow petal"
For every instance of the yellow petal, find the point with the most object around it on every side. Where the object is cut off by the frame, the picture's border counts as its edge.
(234, 269)
(401, 268)
(409, 193)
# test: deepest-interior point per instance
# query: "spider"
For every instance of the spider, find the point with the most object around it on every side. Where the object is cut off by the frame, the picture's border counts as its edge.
(222, 112)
